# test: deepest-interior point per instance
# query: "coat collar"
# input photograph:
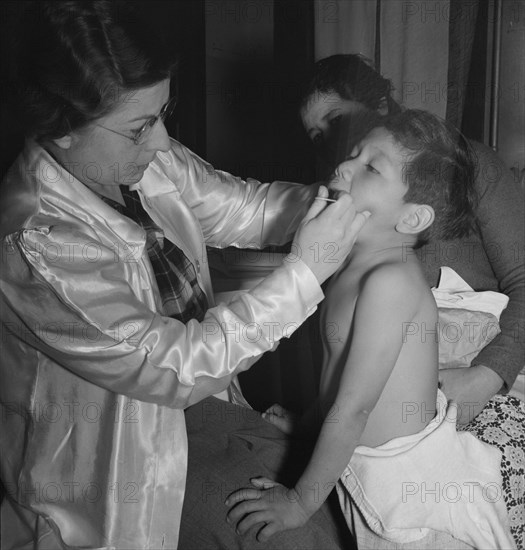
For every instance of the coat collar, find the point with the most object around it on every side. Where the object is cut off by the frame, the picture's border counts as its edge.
(37, 178)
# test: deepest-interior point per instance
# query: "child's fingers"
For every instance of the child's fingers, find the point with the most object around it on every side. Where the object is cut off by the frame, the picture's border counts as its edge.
(250, 520)
(280, 422)
(281, 418)
(243, 494)
(275, 409)
(263, 482)
(238, 511)
(267, 531)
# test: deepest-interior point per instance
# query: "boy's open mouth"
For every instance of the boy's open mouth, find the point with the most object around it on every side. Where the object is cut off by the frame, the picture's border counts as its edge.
(334, 193)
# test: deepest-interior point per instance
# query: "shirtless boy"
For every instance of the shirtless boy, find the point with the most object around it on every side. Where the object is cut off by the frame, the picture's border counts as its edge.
(414, 175)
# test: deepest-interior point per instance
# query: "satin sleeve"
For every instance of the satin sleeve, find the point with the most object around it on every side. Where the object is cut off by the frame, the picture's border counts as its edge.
(84, 314)
(237, 212)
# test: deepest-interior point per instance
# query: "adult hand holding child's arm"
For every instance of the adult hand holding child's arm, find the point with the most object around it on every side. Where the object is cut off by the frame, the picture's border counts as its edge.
(327, 234)
(471, 388)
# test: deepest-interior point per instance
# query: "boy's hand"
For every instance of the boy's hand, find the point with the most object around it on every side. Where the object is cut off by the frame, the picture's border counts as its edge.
(282, 418)
(270, 504)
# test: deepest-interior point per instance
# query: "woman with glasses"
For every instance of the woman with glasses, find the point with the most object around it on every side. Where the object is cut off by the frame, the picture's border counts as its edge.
(109, 325)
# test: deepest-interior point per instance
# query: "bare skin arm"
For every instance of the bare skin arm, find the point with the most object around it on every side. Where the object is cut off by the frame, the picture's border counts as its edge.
(471, 388)
(366, 372)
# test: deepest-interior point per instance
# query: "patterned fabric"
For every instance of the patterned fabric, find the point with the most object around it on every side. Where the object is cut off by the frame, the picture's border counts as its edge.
(182, 297)
(502, 425)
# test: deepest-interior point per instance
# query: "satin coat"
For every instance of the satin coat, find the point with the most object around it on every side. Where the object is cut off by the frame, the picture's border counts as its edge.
(94, 378)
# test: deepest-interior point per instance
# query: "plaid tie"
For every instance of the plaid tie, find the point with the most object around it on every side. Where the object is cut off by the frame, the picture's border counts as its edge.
(182, 297)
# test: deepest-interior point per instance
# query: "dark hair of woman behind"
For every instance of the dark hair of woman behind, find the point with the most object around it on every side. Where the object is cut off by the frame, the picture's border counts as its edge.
(352, 77)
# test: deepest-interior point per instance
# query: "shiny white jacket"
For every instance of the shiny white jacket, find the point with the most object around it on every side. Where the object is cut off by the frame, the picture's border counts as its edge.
(94, 378)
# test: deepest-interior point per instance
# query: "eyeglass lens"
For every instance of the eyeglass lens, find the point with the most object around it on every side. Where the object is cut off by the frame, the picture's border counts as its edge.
(166, 112)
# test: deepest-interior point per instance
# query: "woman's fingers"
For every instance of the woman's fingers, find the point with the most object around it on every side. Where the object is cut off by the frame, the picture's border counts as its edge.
(323, 242)
(317, 206)
(357, 223)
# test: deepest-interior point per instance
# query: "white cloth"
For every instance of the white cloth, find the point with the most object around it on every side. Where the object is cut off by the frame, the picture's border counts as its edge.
(468, 320)
(94, 381)
(437, 479)
(455, 293)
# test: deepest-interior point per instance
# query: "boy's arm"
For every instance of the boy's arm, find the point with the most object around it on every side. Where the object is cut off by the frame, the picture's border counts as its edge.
(382, 311)
(377, 337)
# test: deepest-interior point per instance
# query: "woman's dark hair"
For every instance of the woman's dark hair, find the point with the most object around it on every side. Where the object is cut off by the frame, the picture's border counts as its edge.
(440, 171)
(77, 59)
(353, 78)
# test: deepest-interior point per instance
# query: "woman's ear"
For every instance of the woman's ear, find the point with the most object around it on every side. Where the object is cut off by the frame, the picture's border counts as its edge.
(63, 142)
(415, 219)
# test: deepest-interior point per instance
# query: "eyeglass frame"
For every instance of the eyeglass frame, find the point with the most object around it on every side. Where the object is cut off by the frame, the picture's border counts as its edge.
(165, 112)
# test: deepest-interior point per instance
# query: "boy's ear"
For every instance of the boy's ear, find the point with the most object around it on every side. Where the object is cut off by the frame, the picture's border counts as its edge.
(64, 142)
(416, 219)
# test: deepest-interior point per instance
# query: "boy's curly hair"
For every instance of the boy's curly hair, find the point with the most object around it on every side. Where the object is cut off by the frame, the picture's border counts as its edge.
(440, 171)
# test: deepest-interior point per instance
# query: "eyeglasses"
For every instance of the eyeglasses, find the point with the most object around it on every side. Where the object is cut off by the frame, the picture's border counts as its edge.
(142, 134)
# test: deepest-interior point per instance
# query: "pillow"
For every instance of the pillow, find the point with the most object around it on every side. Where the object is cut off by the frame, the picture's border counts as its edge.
(462, 334)
(468, 320)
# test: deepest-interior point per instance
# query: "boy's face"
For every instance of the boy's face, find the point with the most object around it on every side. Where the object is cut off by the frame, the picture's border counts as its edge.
(373, 175)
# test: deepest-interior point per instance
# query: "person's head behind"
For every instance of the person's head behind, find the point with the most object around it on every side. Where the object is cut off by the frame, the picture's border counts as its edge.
(340, 86)
(430, 160)
(79, 60)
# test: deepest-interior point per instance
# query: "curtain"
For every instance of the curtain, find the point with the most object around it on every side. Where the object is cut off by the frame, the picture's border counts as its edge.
(345, 26)
(414, 52)
(424, 47)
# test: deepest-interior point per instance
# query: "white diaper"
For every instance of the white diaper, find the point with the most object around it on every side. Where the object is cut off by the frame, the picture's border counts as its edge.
(436, 479)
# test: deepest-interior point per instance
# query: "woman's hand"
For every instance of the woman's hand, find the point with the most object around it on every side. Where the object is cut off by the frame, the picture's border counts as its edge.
(282, 418)
(471, 388)
(327, 234)
(270, 505)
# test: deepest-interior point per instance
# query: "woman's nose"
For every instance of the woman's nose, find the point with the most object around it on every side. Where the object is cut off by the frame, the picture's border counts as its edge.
(159, 139)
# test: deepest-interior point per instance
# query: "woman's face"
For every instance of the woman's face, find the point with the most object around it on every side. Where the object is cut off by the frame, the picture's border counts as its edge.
(323, 112)
(98, 156)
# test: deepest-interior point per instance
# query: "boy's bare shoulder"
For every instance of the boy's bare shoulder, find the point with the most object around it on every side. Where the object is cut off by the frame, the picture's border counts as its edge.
(394, 279)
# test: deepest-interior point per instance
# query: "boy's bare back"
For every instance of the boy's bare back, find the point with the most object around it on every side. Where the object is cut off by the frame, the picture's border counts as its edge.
(368, 308)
